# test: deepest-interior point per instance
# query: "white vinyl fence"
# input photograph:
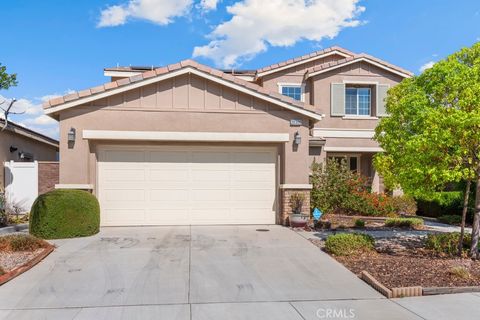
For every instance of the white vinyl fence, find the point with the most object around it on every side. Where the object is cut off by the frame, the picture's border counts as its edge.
(21, 184)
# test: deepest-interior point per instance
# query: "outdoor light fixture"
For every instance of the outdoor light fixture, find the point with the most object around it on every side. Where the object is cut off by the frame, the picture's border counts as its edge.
(71, 135)
(13, 149)
(297, 139)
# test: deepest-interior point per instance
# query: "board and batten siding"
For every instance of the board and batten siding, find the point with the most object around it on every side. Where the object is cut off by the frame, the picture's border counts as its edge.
(186, 92)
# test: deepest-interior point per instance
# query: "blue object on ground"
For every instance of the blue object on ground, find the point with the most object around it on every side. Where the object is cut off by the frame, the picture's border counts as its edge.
(317, 214)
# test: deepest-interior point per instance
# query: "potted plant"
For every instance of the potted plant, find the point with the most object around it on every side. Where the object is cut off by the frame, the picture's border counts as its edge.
(297, 218)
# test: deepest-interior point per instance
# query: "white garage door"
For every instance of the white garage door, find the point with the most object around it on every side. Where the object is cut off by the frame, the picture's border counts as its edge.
(187, 185)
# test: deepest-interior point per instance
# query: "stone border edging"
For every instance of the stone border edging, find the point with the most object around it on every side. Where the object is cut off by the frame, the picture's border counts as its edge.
(26, 266)
(390, 293)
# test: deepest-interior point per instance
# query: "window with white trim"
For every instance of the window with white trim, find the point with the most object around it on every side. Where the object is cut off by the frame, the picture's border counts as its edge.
(358, 101)
(292, 91)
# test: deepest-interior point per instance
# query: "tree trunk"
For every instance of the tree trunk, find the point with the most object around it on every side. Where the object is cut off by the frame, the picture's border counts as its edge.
(476, 223)
(464, 217)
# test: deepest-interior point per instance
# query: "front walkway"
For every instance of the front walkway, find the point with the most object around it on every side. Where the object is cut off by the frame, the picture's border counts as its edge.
(222, 272)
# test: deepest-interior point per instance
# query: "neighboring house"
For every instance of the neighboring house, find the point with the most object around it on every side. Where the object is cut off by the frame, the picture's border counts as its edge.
(189, 144)
(20, 144)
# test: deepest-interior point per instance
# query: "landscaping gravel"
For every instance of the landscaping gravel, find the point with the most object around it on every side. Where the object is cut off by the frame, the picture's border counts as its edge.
(12, 260)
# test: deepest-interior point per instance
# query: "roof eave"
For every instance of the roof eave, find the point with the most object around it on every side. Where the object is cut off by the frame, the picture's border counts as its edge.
(54, 110)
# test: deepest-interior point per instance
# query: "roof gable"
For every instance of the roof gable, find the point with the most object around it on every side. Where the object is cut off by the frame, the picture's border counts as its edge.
(56, 105)
(355, 59)
(302, 60)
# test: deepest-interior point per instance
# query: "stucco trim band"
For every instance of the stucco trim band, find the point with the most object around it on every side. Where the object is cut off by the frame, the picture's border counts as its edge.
(353, 149)
(344, 133)
(185, 136)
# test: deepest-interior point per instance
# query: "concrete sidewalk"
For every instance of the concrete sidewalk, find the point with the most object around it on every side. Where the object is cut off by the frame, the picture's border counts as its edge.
(201, 272)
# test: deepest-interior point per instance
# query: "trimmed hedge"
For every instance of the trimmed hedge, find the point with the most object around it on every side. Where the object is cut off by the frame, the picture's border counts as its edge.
(442, 203)
(65, 214)
(403, 222)
(345, 244)
(446, 243)
(450, 219)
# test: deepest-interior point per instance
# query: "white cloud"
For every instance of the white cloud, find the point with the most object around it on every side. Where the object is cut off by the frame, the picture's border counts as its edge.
(208, 5)
(255, 24)
(157, 11)
(42, 120)
(426, 66)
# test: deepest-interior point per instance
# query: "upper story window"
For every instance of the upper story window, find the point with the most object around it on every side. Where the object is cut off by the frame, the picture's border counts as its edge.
(358, 101)
(294, 91)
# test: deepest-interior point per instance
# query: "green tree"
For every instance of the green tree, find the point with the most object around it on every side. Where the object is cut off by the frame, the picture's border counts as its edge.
(432, 136)
(7, 80)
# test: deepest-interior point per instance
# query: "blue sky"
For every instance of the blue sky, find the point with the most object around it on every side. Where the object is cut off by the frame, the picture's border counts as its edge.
(55, 45)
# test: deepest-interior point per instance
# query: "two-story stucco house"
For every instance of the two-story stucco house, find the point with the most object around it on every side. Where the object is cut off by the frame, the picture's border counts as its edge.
(190, 144)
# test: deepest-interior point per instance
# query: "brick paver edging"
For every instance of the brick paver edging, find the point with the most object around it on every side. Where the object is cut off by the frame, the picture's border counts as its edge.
(26, 266)
(390, 293)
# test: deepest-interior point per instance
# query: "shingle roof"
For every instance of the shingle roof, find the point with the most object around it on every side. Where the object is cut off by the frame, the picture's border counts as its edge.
(304, 57)
(357, 57)
(165, 70)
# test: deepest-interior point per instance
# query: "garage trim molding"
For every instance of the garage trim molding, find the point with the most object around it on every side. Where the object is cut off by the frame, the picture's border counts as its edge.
(185, 136)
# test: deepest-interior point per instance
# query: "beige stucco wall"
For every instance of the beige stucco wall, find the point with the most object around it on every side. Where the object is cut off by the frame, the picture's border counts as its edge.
(40, 151)
(183, 104)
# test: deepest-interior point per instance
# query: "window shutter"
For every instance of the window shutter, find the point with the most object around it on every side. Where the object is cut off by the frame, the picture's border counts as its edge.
(337, 99)
(381, 96)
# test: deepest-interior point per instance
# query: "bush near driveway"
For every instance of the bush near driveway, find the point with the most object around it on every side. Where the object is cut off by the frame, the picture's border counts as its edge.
(345, 244)
(65, 214)
(405, 205)
(450, 219)
(20, 242)
(403, 222)
(441, 203)
(336, 189)
(446, 244)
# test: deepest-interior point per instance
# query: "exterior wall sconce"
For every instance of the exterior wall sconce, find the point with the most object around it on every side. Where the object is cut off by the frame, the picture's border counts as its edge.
(297, 139)
(71, 135)
(13, 149)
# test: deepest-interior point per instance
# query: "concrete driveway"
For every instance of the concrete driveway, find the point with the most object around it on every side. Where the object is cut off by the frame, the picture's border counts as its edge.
(201, 272)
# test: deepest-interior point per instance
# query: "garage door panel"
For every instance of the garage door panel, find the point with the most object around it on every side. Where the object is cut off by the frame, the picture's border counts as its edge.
(124, 175)
(187, 185)
(123, 156)
(122, 217)
(211, 158)
(252, 176)
(168, 195)
(168, 156)
(124, 195)
(251, 194)
(168, 175)
(168, 216)
(200, 195)
(213, 175)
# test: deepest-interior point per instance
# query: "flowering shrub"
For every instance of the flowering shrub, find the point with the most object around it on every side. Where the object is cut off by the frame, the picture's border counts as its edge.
(336, 189)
